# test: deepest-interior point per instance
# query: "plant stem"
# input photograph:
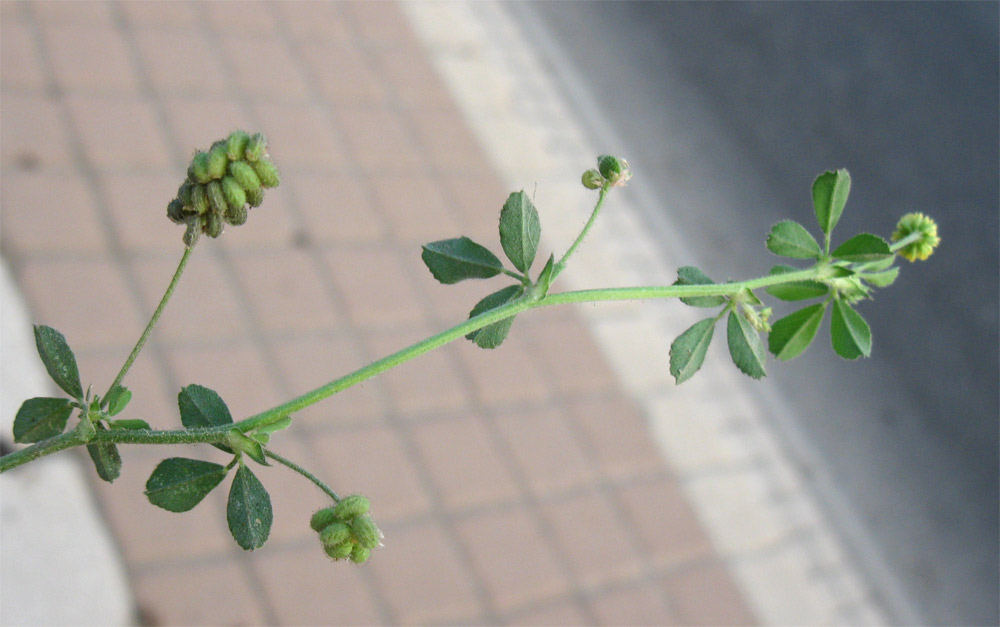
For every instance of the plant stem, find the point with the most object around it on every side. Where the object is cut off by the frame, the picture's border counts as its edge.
(305, 473)
(561, 264)
(152, 323)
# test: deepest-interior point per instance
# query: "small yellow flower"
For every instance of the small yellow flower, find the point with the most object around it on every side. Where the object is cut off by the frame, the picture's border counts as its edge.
(922, 230)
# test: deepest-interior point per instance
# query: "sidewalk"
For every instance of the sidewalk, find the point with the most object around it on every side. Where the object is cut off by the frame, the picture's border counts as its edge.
(525, 485)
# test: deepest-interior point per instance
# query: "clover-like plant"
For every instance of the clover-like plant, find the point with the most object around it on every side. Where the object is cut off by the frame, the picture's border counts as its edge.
(230, 177)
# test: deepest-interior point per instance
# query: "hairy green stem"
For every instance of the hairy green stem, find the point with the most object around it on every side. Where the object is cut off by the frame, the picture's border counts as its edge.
(305, 473)
(152, 323)
(561, 264)
(265, 418)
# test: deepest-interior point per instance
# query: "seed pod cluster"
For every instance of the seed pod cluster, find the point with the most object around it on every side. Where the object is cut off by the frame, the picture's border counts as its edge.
(222, 183)
(346, 531)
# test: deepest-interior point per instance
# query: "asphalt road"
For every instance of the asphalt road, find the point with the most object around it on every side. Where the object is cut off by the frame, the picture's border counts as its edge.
(727, 112)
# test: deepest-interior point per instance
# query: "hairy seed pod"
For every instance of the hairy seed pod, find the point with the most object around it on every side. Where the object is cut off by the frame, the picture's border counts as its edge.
(217, 160)
(352, 506)
(199, 199)
(365, 532)
(360, 554)
(216, 199)
(322, 519)
(236, 144)
(255, 196)
(244, 175)
(334, 534)
(235, 196)
(237, 216)
(193, 232)
(213, 225)
(266, 172)
(175, 211)
(340, 551)
(199, 168)
(184, 192)
(256, 147)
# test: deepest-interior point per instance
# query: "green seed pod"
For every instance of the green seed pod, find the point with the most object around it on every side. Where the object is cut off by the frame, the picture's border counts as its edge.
(592, 179)
(244, 175)
(216, 199)
(199, 168)
(193, 232)
(365, 532)
(255, 196)
(256, 147)
(199, 199)
(340, 551)
(237, 216)
(175, 211)
(360, 554)
(213, 225)
(235, 196)
(351, 506)
(334, 534)
(266, 172)
(217, 160)
(184, 192)
(236, 144)
(322, 519)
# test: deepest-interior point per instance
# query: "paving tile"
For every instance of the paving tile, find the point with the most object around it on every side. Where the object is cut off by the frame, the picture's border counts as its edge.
(254, 17)
(478, 198)
(504, 376)
(616, 435)
(306, 588)
(448, 146)
(379, 140)
(119, 134)
(314, 21)
(173, 595)
(411, 77)
(512, 557)
(342, 74)
(381, 25)
(416, 209)
(586, 372)
(311, 361)
(665, 522)
(44, 212)
(545, 450)
(705, 595)
(428, 385)
(192, 315)
(152, 400)
(302, 135)
(593, 537)
(160, 15)
(559, 613)
(335, 209)
(377, 289)
(72, 12)
(263, 68)
(372, 460)
(197, 121)
(21, 66)
(463, 462)
(90, 58)
(642, 604)
(294, 498)
(86, 299)
(180, 61)
(32, 134)
(139, 213)
(11, 12)
(285, 292)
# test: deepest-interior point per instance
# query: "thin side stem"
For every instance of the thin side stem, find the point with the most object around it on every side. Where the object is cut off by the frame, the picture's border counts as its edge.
(152, 323)
(305, 473)
(561, 264)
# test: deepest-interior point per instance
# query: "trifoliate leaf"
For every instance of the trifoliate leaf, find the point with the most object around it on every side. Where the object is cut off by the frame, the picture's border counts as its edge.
(249, 510)
(41, 418)
(849, 333)
(791, 239)
(690, 275)
(494, 334)
(454, 260)
(520, 230)
(178, 484)
(829, 192)
(59, 360)
(745, 346)
(792, 334)
(863, 247)
(687, 352)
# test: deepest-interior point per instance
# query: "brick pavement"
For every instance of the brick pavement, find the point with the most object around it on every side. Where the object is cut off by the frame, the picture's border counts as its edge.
(512, 486)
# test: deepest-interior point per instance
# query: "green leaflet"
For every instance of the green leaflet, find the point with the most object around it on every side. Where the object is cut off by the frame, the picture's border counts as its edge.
(520, 230)
(494, 334)
(178, 484)
(863, 247)
(117, 399)
(790, 239)
(792, 334)
(690, 275)
(202, 407)
(849, 333)
(59, 360)
(687, 352)
(248, 510)
(454, 260)
(41, 418)
(745, 346)
(829, 192)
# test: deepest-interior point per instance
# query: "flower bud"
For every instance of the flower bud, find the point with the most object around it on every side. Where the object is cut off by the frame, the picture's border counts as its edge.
(244, 175)
(365, 532)
(592, 179)
(266, 172)
(335, 533)
(340, 551)
(360, 554)
(322, 519)
(924, 232)
(352, 506)
(175, 211)
(235, 196)
(236, 144)
(614, 169)
(184, 192)
(256, 147)
(199, 168)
